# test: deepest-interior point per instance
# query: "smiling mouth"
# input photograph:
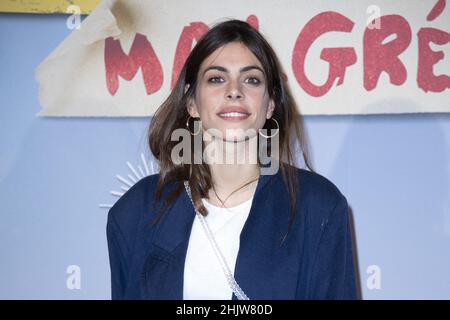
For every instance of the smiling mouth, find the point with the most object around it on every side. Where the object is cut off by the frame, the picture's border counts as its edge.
(234, 116)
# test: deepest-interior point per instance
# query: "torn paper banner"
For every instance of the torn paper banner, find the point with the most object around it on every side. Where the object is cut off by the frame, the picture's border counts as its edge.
(340, 57)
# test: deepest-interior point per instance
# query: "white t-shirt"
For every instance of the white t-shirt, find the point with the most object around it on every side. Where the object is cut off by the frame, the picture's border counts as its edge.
(203, 275)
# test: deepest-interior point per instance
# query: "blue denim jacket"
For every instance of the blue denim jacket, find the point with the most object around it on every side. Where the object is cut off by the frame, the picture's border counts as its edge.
(314, 262)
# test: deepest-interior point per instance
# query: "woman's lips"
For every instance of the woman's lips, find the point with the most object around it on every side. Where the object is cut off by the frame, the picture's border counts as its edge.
(233, 113)
(233, 116)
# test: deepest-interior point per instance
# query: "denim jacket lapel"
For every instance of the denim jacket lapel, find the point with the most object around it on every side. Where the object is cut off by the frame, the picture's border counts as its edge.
(162, 277)
(264, 269)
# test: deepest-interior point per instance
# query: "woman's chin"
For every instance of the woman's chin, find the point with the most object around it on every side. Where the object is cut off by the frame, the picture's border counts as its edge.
(231, 134)
(238, 135)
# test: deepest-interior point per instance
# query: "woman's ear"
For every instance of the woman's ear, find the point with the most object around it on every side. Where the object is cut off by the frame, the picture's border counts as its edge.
(270, 109)
(191, 106)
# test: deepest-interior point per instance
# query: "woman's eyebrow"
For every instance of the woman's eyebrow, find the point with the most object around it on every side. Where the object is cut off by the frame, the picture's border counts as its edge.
(242, 70)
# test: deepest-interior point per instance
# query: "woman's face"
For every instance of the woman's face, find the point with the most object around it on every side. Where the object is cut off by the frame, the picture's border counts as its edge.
(231, 93)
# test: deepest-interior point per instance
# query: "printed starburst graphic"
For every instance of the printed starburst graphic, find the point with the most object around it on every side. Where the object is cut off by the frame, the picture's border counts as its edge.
(147, 168)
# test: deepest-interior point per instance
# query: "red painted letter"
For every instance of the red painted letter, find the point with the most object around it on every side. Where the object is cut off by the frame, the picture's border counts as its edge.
(427, 58)
(193, 32)
(379, 57)
(338, 58)
(117, 63)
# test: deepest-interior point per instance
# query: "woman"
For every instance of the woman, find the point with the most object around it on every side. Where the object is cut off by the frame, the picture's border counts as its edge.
(251, 227)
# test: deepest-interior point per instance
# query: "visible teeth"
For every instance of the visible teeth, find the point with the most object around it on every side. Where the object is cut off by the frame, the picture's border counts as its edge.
(233, 114)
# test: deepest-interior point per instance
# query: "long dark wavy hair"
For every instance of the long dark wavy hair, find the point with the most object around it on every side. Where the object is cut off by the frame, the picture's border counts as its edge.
(173, 114)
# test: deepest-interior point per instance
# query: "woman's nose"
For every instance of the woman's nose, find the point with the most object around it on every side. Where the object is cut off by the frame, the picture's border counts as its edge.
(234, 91)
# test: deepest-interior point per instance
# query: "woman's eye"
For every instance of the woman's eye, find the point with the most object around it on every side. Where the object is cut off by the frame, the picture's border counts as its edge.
(253, 80)
(215, 79)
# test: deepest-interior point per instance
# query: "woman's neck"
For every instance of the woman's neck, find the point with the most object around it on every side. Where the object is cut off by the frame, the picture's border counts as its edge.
(231, 177)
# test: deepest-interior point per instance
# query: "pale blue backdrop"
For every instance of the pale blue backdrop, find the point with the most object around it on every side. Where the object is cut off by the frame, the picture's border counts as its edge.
(56, 173)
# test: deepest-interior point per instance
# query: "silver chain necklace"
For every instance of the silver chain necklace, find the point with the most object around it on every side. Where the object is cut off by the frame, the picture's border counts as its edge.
(223, 264)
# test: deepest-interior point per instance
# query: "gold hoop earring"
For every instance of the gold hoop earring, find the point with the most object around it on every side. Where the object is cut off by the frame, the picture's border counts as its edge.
(187, 126)
(273, 135)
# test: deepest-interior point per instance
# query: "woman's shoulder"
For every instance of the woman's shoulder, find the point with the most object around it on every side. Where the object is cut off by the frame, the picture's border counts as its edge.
(318, 191)
(134, 202)
(316, 183)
